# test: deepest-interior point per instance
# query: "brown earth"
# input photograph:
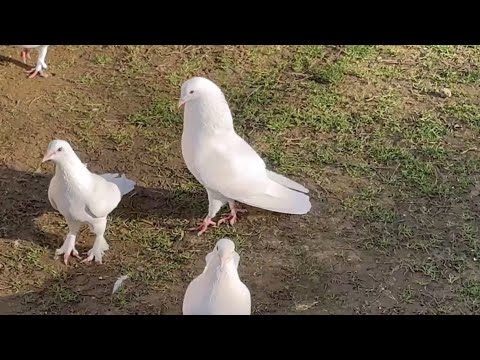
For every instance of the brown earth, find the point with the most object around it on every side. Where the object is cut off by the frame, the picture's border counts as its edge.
(388, 233)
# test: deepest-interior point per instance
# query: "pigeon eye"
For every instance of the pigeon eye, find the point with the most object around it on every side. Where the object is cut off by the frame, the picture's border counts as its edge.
(217, 248)
(191, 92)
(60, 149)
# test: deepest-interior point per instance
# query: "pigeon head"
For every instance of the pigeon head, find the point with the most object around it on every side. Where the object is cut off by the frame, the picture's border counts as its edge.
(57, 151)
(196, 88)
(225, 250)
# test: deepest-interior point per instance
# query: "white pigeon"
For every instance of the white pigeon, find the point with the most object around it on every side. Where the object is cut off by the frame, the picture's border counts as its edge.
(41, 65)
(225, 164)
(82, 197)
(218, 290)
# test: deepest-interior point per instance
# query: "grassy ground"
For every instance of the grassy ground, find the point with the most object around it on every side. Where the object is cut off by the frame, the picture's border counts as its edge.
(386, 138)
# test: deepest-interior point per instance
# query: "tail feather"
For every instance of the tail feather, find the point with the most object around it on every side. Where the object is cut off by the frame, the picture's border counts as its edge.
(280, 199)
(124, 184)
(282, 180)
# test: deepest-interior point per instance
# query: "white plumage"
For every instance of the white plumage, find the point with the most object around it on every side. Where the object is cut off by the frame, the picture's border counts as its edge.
(218, 290)
(83, 197)
(41, 64)
(225, 164)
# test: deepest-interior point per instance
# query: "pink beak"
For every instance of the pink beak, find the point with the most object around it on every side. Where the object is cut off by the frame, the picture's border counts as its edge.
(47, 157)
(224, 261)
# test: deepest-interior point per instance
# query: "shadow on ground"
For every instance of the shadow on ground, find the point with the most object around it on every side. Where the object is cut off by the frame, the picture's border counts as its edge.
(24, 199)
(5, 59)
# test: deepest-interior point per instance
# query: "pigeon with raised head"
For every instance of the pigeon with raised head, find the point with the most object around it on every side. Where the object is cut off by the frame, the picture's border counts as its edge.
(42, 54)
(228, 167)
(83, 197)
(218, 290)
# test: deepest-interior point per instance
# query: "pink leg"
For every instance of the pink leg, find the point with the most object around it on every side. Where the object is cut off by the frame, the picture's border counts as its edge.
(204, 225)
(232, 217)
(34, 72)
(67, 256)
(25, 54)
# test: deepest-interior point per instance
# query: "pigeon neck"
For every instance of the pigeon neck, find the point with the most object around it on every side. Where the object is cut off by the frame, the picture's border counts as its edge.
(229, 271)
(211, 115)
(73, 168)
